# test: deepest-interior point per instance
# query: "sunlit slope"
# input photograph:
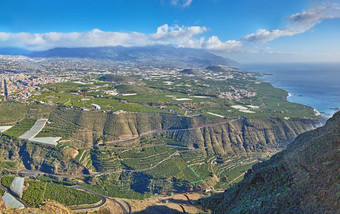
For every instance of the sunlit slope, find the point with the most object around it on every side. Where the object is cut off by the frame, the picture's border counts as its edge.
(302, 179)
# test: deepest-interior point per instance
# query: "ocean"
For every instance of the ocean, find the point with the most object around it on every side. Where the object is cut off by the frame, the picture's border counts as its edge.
(315, 85)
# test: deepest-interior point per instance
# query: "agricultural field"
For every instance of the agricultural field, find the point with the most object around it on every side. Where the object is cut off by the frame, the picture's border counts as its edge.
(183, 96)
(8, 165)
(68, 196)
(34, 194)
(11, 112)
(20, 128)
(44, 189)
(150, 136)
(6, 181)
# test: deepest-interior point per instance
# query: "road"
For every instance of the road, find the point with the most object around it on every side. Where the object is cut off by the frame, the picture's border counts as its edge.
(36, 172)
(157, 131)
(126, 207)
(89, 207)
(9, 191)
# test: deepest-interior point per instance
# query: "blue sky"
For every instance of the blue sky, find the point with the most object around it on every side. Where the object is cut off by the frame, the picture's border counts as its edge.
(246, 30)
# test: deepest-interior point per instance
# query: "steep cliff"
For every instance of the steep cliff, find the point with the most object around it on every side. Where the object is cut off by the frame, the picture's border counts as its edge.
(217, 136)
(304, 178)
(37, 157)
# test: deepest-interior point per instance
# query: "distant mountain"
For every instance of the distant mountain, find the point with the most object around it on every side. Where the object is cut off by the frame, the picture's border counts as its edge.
(304, 178)
(14, 51)
(150, 54)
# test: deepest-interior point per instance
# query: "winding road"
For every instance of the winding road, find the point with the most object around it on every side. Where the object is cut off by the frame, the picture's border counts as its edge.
(126, 207)
(157, 131)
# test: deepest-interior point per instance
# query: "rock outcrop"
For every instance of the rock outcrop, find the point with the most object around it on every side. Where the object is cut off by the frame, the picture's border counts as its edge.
(304, 178)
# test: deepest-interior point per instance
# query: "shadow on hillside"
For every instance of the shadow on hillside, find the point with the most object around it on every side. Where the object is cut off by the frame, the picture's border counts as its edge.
(180, 201)
(157, 210)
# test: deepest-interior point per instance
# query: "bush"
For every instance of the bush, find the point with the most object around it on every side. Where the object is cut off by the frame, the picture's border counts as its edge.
(6, 181)
(34, 193)
(68, 196)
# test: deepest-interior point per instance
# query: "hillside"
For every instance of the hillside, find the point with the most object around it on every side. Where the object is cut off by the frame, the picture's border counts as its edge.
(218, 136)
(51, 207)
(149, 54)
(301, 179)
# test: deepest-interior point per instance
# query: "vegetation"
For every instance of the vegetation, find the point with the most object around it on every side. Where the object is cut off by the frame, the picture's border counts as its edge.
(40, 190)
(188, 144)
(20, 128)
(6, 181)
(34, 194)
(68, 196)
(8, 165)
(301, 179)
(10, 112)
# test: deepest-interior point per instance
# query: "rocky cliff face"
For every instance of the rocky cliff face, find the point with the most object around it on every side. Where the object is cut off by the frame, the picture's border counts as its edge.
(37, 157)
(246, 135)
(215, 135)
(304, 178)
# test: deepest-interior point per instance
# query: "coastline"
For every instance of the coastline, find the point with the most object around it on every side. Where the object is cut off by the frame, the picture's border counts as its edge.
(314, 85)
(289, 95)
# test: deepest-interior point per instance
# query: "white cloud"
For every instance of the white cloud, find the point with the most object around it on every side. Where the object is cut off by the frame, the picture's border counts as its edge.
(214, 43)
(299, 23)
(181, 3)
(180, 36)
(95, 38)
(165, 32)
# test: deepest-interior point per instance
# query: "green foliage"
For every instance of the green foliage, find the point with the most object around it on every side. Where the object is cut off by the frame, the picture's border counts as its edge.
(2, 192)
(174, 167)
(20, 128)
(6, 181)
(8, 165)
(68, 196)
(119, 191)
(49, 179)
(202, 170)
(11, 112)
(104, 160)
(34, 194)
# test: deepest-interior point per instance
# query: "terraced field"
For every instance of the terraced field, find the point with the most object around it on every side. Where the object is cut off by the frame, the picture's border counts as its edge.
(20, 128)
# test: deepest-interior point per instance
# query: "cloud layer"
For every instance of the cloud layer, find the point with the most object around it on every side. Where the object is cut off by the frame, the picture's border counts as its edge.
(180, 36)
(299, 23)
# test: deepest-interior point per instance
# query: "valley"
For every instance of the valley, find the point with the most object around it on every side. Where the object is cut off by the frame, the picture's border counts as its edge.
(147, 135)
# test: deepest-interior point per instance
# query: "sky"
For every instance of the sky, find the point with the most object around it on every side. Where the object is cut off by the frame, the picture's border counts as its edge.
(249, 31)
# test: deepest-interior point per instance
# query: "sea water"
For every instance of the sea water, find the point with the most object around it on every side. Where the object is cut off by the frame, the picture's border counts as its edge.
(315, 85)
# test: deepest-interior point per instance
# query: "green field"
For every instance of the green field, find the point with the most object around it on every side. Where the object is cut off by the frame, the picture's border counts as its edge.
(68, 196)
(8, 164)
(34, 194)
(39, 191)
(20, 128)
(6, 181)
(151, 94)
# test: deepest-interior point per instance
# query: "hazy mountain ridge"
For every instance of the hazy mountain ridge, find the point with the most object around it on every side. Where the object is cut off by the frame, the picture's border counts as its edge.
(148, 54)
(301, 179)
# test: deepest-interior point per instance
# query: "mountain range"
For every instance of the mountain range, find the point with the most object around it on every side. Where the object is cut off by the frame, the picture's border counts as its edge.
(159, 54)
